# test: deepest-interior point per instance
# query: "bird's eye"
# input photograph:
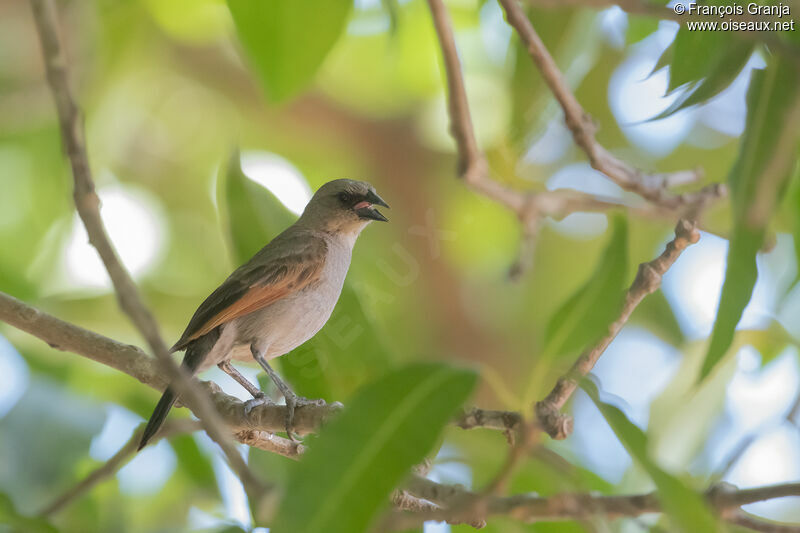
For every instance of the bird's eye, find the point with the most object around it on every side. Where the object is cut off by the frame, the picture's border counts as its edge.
(344, 197)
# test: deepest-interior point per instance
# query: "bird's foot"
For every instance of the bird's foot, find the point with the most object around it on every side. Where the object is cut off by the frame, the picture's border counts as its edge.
(294, 401)
(259, 399)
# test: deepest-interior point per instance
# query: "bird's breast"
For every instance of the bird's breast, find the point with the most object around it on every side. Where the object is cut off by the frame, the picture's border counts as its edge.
(293, 320)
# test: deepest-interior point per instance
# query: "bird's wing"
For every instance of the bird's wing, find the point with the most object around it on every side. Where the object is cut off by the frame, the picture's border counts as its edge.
(285, 266)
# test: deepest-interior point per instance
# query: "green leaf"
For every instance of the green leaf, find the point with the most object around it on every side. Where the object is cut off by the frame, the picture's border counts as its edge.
(767, 157)
(689, 66)
(686, 508)
(360, 457)
(684, 414)
(656, 314)
(20, 523)
(718, 77)
(639, 27)
(664, 59)
(770, 342)
(286, 40)
(192, 461)
(793, 200)
(585, 316)
(566, 33)
(252, 215)
(232, 529)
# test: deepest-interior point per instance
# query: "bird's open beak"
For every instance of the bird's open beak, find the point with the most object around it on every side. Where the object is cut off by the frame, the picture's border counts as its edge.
(366, 208)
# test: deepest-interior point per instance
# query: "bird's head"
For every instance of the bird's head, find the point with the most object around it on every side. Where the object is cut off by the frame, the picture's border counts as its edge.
(344, 206)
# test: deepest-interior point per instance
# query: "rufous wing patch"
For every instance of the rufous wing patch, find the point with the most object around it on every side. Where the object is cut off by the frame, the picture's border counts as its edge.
(281, 282)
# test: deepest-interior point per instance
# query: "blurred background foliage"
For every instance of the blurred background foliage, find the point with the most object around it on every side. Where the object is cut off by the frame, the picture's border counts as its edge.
(309, 91)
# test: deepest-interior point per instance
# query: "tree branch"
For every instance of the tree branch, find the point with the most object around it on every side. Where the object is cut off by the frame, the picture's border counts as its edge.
(88, 207)
(531, 207)
(652, 187)
(647, 281)
(456, 504)
(485, 418)
(755, 523)
(133, 361)
(270, 442)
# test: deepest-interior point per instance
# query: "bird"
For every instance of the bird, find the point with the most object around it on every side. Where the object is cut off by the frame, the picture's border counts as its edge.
(278, 299)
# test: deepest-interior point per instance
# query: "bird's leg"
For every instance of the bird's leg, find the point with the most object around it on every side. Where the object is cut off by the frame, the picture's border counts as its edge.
(292, 400)
(259, 398)
(229, 369)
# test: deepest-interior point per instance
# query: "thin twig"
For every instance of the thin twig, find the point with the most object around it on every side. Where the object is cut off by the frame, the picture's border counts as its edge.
(403, 501)
(488, 419)
(647, 281)
(88, 207)
(270, 442)
(531, 207)
(472, 165)
(112, 466)
(455, 503)
(652, 187)
(524, 262)
(762, 525)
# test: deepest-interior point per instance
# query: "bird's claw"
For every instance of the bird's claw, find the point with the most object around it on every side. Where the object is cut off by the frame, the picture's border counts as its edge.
(251, 404)
(293, 402)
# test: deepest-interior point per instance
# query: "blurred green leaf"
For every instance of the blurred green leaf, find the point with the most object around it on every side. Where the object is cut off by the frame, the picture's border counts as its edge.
(569, 35)
(287, 41)
(585, 316)
(15, 284)
(272, 466)
(769, 342)
(193, 462)
(794, 211)
(19, 523)
(548, 473)
(307, 368)
(687, 508)
(718, 76)
(391, 7)
(31, 467)
(767, 156)
(664, 59)
(252, 214)
(656, 314)
(232, 529)
(640, 27)
(689, 66)
(683, 414)
(740, 278)
(388, 427)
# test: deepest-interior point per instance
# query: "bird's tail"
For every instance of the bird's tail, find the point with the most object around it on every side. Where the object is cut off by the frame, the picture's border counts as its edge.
(157, 418)
(195, 354)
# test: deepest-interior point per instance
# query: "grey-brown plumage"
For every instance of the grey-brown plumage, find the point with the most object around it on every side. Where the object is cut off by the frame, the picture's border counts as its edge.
(281, 297)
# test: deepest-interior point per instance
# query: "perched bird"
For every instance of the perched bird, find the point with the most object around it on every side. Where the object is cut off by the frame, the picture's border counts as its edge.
(281, 297)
